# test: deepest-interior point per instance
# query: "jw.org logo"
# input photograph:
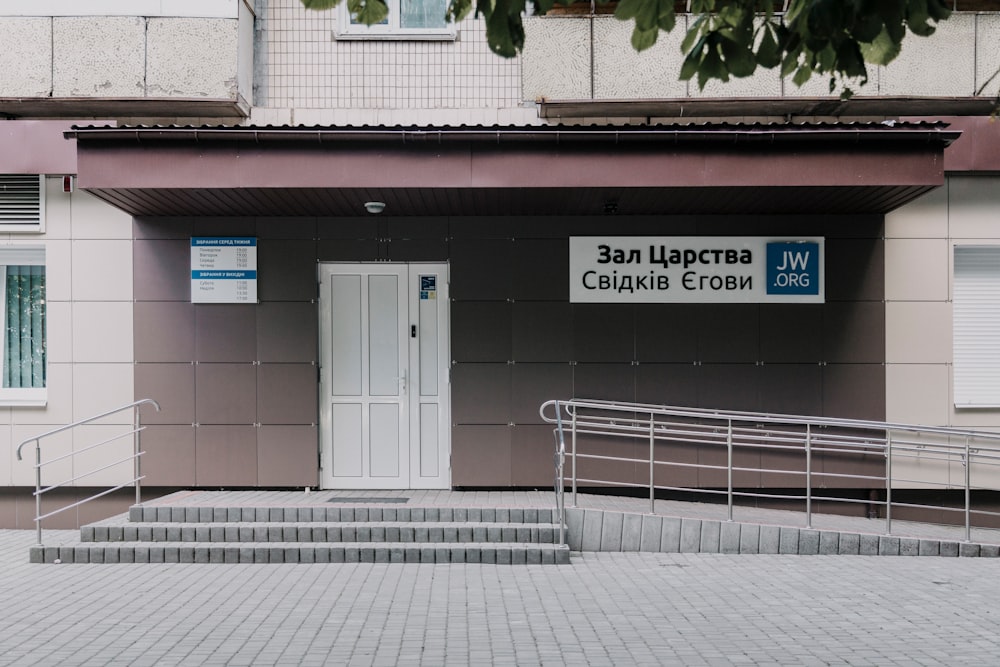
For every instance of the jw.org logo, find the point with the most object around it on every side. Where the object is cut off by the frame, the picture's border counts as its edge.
(793, 268)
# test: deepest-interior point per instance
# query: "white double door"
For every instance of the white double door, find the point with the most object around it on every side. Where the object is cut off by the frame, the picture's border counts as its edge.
(384, 381)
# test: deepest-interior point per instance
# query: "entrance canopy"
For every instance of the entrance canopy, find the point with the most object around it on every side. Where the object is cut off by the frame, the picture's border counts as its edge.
(505, 170)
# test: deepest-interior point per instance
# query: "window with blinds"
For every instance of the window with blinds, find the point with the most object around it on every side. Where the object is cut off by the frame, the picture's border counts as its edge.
(22, 204)
(976, 322)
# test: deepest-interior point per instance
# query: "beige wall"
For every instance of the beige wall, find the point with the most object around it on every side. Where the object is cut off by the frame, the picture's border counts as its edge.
(919, 250)
(90, 360)
(127, 56)
(591, 58)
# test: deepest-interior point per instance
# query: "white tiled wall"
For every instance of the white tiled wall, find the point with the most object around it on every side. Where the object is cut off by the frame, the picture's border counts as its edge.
(301, 66)
(90, 366)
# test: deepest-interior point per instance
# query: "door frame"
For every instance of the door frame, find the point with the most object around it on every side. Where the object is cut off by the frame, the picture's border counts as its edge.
(413, 396)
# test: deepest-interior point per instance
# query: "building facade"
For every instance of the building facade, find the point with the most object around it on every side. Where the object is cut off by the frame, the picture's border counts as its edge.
(412, 347)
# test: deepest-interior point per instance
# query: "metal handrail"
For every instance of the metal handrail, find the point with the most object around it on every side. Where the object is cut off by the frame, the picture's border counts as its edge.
(134, 457)
(760, 432)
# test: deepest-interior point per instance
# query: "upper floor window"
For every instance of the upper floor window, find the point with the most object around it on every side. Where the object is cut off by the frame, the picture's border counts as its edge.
(407, 19)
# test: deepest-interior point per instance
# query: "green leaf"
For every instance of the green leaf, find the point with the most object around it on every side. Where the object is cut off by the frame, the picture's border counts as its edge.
(803, 74)
(711, 67)
(319, 5)
(690, 67)
(867, 28)
(917, 18)
(768, 54)
(643, 39)
(738, 58)
(850, 62)
(629, 9)
(882, 50)
(368, 12)
(504, 31)
(458, 10)
(667, 19)
(694, 34)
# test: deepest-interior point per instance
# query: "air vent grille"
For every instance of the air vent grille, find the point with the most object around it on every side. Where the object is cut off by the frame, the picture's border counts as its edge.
(21, 203)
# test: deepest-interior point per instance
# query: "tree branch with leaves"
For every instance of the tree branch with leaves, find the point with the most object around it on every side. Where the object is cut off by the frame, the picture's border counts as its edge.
(728, 38)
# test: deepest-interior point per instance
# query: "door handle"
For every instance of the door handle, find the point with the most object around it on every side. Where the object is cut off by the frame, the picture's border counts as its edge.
(402, 382)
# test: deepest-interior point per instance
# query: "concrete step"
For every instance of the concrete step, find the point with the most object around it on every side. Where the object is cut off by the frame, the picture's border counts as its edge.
(334, 513)
(448, 532)
(297, 552)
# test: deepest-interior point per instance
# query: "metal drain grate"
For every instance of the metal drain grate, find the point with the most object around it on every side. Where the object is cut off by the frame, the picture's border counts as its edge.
(368, 499)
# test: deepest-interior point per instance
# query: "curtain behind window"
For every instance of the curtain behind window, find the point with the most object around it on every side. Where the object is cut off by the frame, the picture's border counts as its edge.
(24, 339)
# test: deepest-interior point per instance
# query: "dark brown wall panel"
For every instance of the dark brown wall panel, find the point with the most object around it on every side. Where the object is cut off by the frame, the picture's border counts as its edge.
(603, 332)
(542, 331)
(509, 289)
(156, 276)
(791, 333)
(541, 270)
(286, 394)
(854, 390)
(170, 458)
(728, 332)
(480, 455)
(531, 451)
(533, 384)
(225, 333)
(481, 269)
(287, 332)
(666, 332)
(172, 386)
(480, 394)
(854, 332)
(226, 393)
(163, 330)
(667, 384)
(226, 456)
(286, 269)
(610, 382)
(287, 456)
(481, 331)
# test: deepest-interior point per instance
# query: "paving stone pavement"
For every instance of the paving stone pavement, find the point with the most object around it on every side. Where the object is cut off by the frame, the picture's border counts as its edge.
(603, 609)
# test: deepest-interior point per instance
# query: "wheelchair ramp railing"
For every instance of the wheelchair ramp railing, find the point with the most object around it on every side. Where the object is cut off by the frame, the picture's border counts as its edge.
(727, 453)
(132, 458)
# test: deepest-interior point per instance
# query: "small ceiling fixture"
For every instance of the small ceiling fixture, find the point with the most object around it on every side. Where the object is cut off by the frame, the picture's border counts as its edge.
(375, 207)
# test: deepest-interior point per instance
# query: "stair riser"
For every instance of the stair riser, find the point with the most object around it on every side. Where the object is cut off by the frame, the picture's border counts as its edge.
(337, 514)
(302, 554)
(527, 533)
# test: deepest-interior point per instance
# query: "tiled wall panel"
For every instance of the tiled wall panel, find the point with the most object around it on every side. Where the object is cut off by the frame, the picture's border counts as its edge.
(516, 340)
(301, 65)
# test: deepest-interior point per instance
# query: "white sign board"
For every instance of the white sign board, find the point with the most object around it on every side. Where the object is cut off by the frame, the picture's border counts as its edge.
(696, 269)
(224, 269)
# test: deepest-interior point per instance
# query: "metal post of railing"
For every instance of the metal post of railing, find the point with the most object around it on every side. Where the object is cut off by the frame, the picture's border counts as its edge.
(573, 432)
(729, 469)
(38, 490)
(809, 462)
(135, 452)
(888, 483)
(652, 463)
(968, 490)
(560, 460)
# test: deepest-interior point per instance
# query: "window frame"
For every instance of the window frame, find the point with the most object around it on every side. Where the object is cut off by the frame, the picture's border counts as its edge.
(22, 255)
(346, 30)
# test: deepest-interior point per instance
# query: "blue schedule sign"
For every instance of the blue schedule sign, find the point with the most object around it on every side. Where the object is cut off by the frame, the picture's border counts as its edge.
(224, 269)
(793, 268)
